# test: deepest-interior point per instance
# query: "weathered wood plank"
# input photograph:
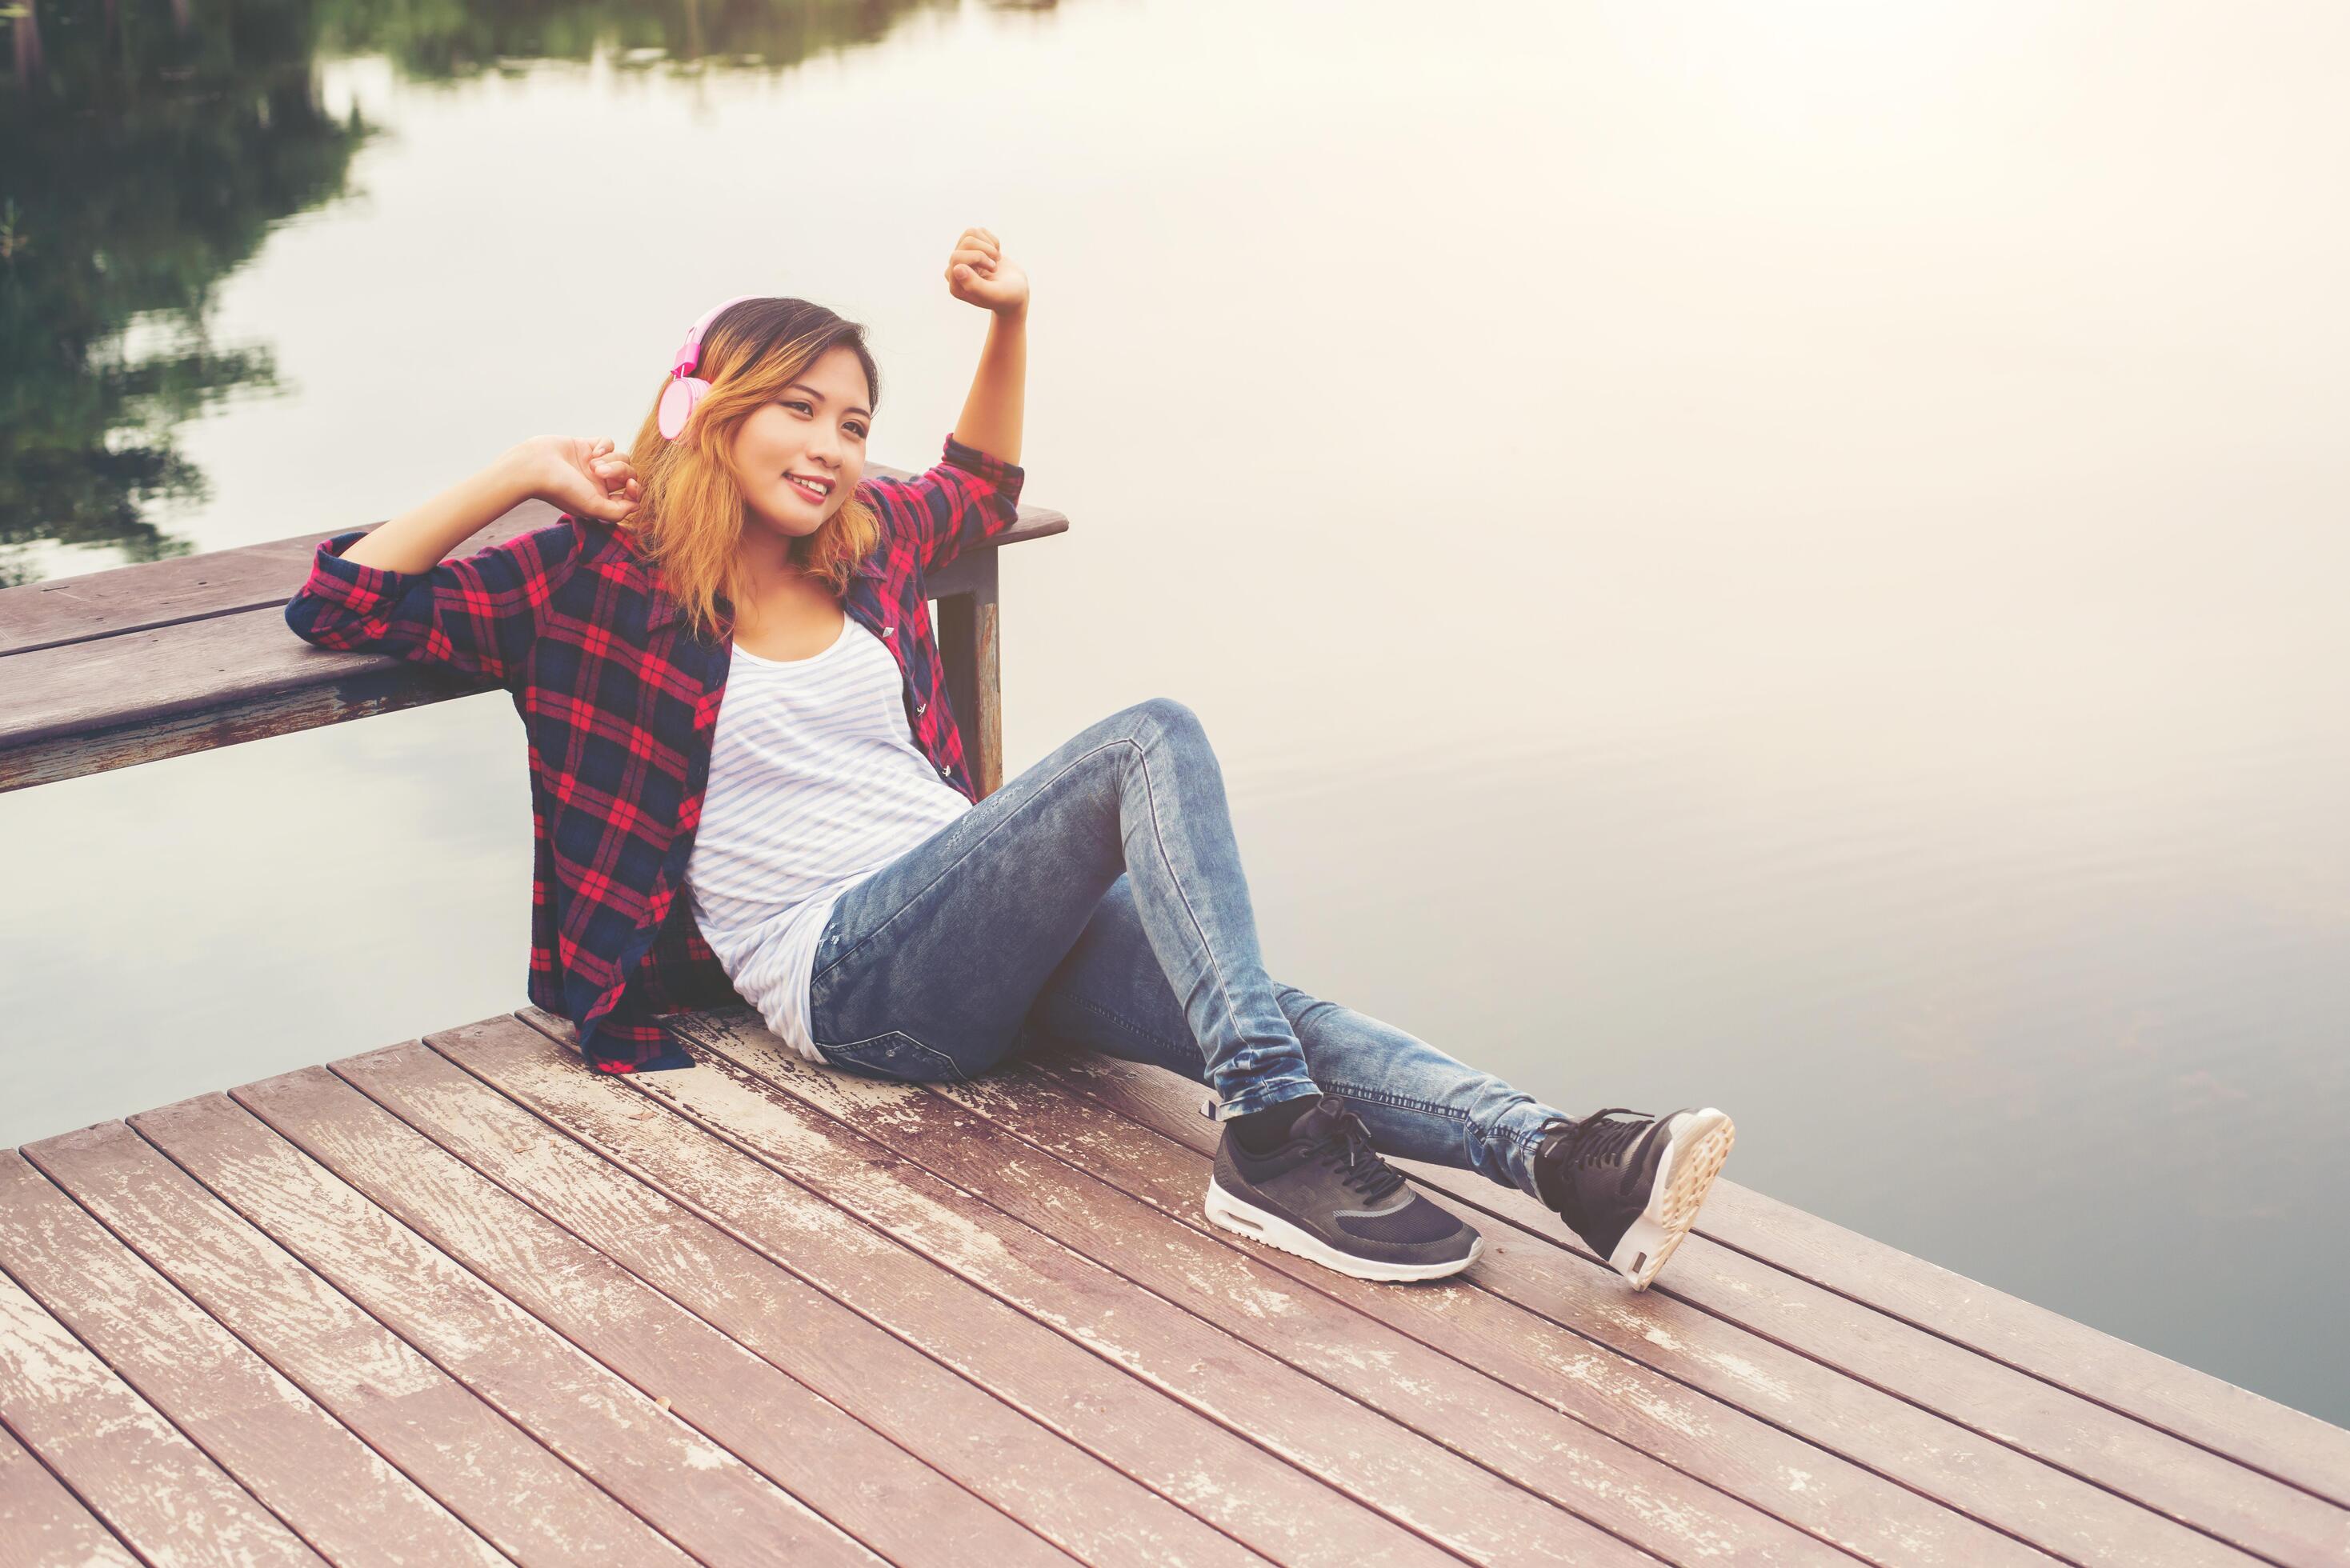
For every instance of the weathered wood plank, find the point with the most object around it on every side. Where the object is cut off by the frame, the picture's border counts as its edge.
(297, 1461)
(1818, 1489)
(969, 643)
(1057, 1488)
(1367, 1454)
(1775, 1315)
(529, 1503)
(101, 675)
(1179, 1453)
(2292, 1445)
(142, 696)
(156, 1489)
(693, 1491)
(43, 1525)
(1563, 1460)
(865, 1484)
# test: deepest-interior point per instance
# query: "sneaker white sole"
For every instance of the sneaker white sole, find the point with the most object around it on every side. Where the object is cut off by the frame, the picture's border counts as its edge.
(1692, 1159)
(1244, 1219)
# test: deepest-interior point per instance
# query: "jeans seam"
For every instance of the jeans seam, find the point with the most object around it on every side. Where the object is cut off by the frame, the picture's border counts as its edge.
(1397, 1101)
(952, 1065)
(1224, 987)
(971, 850)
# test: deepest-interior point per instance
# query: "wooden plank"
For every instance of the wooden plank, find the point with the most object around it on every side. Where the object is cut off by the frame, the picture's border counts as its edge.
(1381, 1462)
(1196, 1462)
(1843, 1501)
(297, 1461)
(1552, 1453)
(865, 1484)
(2289, 1444)
(693, 1491)
(530, 1504)
(151, 594)
(1083, 1504)
(43, 1525)
(132, 1468)
(1783, 1315)
(114, 702)
(112, 679)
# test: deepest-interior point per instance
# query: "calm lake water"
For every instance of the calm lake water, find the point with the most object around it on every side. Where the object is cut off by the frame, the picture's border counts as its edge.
(1784, 556)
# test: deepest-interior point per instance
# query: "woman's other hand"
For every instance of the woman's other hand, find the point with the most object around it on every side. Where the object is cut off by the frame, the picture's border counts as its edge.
(978, 275)
(572, 473)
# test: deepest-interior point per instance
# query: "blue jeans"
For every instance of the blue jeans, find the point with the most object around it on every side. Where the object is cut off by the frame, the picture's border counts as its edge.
(1098, 901)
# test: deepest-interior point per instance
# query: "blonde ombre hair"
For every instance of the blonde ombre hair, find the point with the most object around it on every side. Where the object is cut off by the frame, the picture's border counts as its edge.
(689, 515)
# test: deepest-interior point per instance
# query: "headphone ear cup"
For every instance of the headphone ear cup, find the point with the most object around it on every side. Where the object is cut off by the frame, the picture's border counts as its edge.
(677, 404)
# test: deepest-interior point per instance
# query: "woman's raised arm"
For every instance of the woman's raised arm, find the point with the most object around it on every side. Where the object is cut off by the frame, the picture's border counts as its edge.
(978, 275)
(572, 473)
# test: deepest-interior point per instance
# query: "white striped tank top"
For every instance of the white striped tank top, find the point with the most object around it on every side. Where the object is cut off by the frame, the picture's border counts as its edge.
(816, 783)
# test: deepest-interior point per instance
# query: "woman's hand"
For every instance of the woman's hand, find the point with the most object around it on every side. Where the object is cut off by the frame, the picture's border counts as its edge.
(572, 473)
(978, 275)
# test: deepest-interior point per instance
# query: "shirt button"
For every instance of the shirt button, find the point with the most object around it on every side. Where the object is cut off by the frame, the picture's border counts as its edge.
(918, 707)
(888, 631)
(942, 767)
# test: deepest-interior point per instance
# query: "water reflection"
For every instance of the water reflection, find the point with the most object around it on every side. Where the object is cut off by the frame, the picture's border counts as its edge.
(148, 155)
(151, 149)
(455, 41)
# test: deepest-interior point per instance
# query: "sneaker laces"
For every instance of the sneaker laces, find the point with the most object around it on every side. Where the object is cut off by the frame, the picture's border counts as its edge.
(1346, 1149)
(1596, 1142)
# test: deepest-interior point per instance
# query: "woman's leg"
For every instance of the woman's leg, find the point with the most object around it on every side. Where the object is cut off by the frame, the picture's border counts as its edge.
(928, 967)
(1417, 1102)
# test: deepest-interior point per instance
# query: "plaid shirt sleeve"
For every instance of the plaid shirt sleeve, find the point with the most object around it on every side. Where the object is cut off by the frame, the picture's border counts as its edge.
(967, 499)
(477, 615)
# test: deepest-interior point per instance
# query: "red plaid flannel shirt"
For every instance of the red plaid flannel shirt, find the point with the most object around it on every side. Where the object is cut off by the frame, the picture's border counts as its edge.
(621, 704)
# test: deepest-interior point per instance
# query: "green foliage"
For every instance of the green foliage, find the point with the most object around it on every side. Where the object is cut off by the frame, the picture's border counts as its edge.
(152, 145)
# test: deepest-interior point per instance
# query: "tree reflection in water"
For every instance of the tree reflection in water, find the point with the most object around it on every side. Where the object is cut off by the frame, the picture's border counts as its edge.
(146, 148)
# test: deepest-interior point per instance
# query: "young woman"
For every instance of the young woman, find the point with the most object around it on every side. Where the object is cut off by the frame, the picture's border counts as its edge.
(723, 657)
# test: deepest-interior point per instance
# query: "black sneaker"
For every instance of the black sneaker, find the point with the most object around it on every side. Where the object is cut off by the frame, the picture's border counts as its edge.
(1326, 1195)
(1631, 1189)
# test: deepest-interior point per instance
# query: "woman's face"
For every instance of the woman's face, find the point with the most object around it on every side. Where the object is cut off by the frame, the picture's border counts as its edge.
(814, 432)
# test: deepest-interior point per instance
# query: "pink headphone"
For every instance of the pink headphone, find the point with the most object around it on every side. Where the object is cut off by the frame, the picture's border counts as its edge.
(678, 399)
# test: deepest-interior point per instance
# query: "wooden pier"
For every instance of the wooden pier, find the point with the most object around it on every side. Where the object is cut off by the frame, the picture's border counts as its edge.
(462, 1300)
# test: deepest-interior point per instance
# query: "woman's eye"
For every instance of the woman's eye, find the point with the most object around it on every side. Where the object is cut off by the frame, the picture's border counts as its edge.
(797, 405)
(858, 431)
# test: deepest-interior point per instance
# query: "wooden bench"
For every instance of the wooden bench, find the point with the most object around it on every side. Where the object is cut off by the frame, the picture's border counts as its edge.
(145, 662)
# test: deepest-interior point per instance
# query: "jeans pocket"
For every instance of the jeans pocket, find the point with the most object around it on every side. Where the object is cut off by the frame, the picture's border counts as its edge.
(896, 1057)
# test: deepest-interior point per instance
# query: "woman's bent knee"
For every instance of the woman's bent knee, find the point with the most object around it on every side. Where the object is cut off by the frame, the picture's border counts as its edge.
(1163, 715)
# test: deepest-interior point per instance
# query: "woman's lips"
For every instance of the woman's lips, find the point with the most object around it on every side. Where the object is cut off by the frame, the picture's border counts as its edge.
(810, 491)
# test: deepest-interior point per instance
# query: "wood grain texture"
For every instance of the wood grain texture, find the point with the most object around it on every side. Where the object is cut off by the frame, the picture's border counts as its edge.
(296, 1459)
(1764, 1340)
(2292, 1445)
(43, 1525)
(1061, 1491)
(1569, 1462)
(1375, 1459)
(1178, 1452)
(693, 1491)
(156, 594)
(490, 1474)
(157, 1490)
(1813, 1487)
(865, 1485)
